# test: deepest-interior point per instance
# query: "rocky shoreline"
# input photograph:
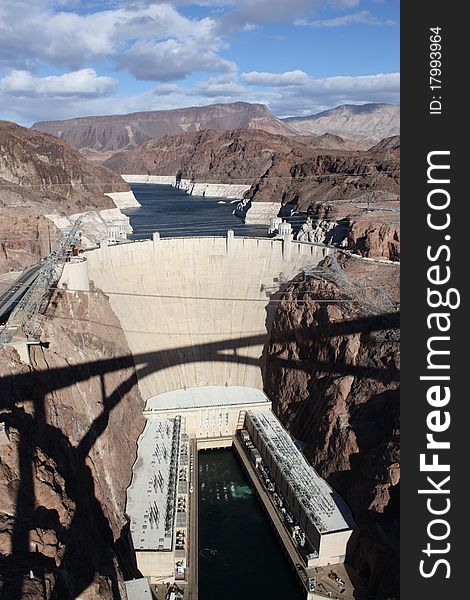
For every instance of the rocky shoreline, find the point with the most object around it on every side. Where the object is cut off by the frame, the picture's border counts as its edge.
(193, 188)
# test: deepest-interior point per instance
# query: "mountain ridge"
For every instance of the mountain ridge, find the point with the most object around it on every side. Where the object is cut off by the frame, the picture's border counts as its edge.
(118, 132)
(369, 123)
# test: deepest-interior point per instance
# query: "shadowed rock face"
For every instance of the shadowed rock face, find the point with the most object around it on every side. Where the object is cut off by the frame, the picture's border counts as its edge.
(74, 416)
(38, 175)
(361, 189)
(328, 176)
(115, 132)
(333, 373)
(69, 455)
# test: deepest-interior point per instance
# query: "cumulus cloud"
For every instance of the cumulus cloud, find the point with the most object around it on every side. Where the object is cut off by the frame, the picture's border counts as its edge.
(296, 93)
(78, 84)
(246, 14)
(320, 94)
(170, 60)
(303, 99)
(156, 41)
(128, 35)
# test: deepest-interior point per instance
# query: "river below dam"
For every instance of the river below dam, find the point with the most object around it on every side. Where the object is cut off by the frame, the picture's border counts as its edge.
(173, 213)
(239, 555)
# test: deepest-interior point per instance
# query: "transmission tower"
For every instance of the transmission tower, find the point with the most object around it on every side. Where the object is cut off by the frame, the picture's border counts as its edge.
(24, 317)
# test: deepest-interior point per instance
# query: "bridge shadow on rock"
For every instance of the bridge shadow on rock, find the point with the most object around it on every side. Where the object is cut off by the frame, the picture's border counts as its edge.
(89, 548)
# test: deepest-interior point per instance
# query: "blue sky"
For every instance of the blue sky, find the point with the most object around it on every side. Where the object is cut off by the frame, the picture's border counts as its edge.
(68, 58)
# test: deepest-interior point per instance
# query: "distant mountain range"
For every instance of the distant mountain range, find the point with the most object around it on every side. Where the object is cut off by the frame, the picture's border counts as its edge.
(365, 125)
(368, 123)
(118, 132)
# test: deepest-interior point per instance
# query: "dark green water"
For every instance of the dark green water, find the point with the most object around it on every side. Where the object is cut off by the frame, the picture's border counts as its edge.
(239, 555)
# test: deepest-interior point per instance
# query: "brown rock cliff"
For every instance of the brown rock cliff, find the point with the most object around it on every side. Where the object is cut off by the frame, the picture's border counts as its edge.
(72, 420)
(333, 372)
(40, 174)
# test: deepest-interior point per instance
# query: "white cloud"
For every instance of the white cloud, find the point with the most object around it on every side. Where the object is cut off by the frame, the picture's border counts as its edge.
(288, 78)
(170, 60)
(308, 96)
(152, 41)
(248, 13)
(129, 36)
(296, 93)
(320, 94)
(363, 17)
(82, 84)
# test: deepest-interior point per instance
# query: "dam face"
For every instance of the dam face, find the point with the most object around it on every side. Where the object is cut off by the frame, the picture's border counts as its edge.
(198, 306)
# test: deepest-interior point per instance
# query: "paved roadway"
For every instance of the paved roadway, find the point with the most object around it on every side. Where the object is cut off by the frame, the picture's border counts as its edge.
(192, 593)
(10, 297)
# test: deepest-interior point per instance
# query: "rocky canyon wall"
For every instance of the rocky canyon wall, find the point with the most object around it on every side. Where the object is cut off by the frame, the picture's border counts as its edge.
(333, 374)
(41, 175)
(71, 420)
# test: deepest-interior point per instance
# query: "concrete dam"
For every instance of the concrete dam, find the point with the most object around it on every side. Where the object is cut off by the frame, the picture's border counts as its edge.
(200, 305)
(199, 310)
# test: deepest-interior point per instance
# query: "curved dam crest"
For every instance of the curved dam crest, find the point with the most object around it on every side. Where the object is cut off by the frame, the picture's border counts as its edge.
(198, 304)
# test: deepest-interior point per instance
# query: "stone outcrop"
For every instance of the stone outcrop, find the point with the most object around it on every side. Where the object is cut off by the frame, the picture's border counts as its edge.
(42, 163)
(335, 176)
(40, 175)
(66, 457)
(374, 239)
(332, 369)
(117, 132)
(322, 232)
(366, 123)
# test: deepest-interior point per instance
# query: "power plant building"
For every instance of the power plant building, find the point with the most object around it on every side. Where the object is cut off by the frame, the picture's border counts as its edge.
(159, 498)
(321, 513)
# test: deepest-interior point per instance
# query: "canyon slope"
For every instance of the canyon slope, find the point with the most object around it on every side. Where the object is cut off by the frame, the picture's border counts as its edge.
(115, 132)
(64, 461)
(332, 369)
(210, 155)
(366, 123)
(40, 174)
(351, 198)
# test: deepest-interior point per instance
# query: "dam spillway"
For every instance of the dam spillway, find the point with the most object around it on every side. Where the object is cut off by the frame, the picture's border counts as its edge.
(198, 306)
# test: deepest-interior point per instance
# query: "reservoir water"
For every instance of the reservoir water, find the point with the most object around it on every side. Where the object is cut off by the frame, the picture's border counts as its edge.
(239, 555)
(174, 213)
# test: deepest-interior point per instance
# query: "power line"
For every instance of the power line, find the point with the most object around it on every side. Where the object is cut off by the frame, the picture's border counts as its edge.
(213, 298)
(201, 225)
(98, 184)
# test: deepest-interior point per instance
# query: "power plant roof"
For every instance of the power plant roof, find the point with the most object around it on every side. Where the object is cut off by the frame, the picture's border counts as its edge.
(321, 504)
(151, 495)
(208, 396)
